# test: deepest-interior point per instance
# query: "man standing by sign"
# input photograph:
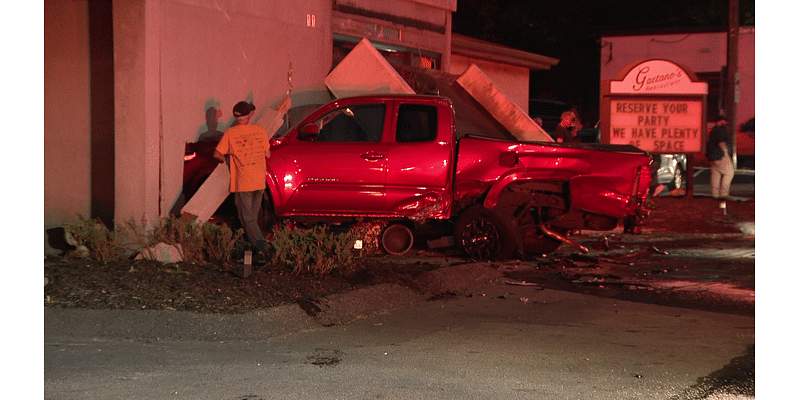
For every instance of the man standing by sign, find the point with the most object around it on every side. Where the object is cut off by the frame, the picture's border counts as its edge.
(567, 128)
(248, 147)
(718, 151)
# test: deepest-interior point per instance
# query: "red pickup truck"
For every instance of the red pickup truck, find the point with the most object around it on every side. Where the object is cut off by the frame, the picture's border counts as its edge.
(398, 158)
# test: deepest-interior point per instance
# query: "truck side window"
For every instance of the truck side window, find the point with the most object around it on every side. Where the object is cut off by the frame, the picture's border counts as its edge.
(352, 124)
(416, 123)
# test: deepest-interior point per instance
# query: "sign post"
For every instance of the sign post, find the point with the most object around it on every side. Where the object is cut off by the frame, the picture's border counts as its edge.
(657, 106)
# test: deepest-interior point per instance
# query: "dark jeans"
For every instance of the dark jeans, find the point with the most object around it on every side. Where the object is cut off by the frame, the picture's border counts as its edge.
(249, 204)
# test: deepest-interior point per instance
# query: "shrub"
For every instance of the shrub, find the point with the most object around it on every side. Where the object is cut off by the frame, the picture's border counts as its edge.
(315, 250)
(173, 231)
(221, 242)
(198, 243)
(99, 242)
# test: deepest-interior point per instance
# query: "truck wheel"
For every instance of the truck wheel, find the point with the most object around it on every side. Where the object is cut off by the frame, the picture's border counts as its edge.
(397, 239)
(485, 234)
(537, 242)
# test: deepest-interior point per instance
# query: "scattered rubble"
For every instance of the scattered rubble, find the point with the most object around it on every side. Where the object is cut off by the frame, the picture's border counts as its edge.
(166, 253)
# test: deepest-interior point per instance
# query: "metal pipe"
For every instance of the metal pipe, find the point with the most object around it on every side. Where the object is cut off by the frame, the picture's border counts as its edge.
(563, 238)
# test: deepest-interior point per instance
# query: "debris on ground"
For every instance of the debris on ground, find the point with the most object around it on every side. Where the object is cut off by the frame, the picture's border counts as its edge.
(72, 282)
(635, 256)
(166, 253)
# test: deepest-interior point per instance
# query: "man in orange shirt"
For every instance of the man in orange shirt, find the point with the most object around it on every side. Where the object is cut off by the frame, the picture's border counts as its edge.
(248, 148)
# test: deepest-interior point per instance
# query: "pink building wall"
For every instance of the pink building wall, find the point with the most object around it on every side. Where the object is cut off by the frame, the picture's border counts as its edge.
(66, 117)
(173, 60)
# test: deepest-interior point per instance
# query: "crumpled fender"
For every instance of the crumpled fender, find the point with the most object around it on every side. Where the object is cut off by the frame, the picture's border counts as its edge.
(493, 195)
(588, 193)
(494, 192)
(430, 205)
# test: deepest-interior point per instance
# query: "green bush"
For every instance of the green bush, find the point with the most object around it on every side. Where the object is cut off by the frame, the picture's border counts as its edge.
(221, 242)
(99, 242)
(314, 251)
(198, 243)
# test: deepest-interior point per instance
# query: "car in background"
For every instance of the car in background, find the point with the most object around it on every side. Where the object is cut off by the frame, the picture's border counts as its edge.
(549, 111)
(589, 134)
(746, 145)
(672, 171)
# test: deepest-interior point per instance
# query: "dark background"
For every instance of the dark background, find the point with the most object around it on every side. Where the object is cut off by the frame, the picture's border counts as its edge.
(570, 30)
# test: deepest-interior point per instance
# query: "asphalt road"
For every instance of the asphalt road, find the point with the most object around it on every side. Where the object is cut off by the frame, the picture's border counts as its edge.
(503, 341)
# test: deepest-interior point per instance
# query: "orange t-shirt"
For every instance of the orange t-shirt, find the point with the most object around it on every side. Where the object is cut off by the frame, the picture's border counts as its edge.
(247, 146)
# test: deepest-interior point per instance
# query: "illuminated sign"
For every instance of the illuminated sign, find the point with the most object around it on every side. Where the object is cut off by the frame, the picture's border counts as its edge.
(658, 77)
(657, 125)
(655, 105)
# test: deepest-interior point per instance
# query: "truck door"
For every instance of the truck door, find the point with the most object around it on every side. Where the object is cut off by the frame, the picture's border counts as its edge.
(343, 170)
(420, 162)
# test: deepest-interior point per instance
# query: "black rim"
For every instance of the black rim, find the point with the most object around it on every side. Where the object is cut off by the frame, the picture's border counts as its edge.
(481, 238)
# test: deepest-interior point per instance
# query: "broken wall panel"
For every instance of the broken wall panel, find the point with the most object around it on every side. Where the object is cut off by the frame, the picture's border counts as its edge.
(365, 71)
(209, 196)
(517, 121)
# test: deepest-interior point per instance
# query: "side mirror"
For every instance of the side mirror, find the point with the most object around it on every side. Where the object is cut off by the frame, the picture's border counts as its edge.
(308, 132)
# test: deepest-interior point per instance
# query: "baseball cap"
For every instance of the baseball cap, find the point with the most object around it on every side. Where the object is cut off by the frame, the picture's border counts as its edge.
(242, 108)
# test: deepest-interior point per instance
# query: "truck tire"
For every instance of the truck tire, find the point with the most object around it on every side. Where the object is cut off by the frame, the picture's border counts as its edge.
(487, 234)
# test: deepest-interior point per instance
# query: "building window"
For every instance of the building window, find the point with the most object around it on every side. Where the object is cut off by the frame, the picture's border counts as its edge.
(396, 55)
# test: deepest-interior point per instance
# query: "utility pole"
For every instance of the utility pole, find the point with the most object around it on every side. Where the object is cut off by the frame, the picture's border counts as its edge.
(732, 78)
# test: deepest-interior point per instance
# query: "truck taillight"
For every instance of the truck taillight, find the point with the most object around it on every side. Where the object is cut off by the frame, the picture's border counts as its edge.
(642, 180)
(637, 181)
(189, 157)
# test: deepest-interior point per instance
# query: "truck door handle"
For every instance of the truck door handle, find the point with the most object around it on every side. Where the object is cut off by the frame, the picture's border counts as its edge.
(372, 156)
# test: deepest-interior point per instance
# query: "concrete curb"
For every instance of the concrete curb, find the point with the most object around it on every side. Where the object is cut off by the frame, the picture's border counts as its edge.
(278, 321)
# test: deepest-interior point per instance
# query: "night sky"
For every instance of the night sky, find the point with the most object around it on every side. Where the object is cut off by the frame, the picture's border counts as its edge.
(570, 30)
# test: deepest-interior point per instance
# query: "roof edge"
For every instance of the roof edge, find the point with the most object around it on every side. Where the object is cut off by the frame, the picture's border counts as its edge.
(475, 48)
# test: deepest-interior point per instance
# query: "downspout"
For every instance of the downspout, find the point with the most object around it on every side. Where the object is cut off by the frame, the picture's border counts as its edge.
(448, 39)
(161, 168)
(160, 136)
